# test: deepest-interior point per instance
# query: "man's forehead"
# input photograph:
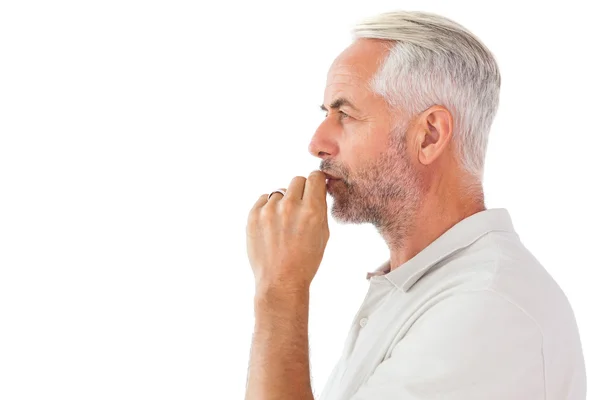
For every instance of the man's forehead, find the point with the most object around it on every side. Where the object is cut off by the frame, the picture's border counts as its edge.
(345, 79)
(349, 69)
(347, 82)
(353, 69)
(361, 58)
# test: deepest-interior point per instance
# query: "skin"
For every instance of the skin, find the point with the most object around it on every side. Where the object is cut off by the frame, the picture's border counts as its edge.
(398, 172)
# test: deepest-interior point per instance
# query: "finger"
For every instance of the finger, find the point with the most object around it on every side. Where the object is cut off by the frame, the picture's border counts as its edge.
(315, 188)
(296, 188)
(254, 212)
(262, 200)
(275, 196)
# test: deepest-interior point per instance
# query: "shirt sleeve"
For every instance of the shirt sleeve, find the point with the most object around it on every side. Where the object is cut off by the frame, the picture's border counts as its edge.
(470, 346)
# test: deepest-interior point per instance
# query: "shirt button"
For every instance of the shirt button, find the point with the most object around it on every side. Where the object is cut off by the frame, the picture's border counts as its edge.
(363, 322)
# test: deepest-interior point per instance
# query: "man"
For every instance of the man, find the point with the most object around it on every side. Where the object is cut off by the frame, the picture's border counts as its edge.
(461, 310)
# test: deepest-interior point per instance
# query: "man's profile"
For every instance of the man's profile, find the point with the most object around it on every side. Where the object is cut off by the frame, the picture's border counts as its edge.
(461, 310)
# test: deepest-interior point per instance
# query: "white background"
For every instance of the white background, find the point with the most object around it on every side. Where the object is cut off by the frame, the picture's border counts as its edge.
(136, 136)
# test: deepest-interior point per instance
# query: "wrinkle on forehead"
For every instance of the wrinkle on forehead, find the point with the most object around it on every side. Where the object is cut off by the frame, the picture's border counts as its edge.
(347, 80)
(355, 66)
(344, 84)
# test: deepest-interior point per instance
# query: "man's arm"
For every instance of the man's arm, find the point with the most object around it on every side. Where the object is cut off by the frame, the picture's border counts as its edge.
(286, 239)
(279, 361)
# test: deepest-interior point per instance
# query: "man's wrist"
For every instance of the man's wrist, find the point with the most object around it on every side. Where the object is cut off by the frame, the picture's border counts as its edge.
(280, 298)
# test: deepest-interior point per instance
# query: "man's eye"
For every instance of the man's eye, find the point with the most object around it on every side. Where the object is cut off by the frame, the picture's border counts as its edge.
(342, 114)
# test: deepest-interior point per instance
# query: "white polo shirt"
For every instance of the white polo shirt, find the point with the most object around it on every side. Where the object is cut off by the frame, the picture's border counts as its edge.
(474, 316)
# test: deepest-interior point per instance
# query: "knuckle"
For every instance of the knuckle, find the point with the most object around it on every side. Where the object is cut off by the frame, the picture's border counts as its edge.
(313, 204)
(287, 206)
(252, 221)
(311, 213)
(267, 211)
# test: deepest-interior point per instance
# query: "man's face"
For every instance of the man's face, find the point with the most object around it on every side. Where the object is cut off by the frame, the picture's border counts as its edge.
(363, 142)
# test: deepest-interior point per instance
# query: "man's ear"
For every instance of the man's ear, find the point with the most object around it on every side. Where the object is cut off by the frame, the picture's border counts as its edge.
(434, 134)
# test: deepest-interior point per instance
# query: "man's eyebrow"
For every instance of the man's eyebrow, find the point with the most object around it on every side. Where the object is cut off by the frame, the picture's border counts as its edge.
(342, 101)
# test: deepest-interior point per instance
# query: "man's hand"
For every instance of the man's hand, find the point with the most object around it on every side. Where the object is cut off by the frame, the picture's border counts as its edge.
(286, 239)
(287, 235)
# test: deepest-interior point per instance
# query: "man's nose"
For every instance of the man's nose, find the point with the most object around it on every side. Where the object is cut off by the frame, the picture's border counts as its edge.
(323, 143)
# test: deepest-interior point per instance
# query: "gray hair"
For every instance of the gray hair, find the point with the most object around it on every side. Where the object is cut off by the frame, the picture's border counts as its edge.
(434, 60)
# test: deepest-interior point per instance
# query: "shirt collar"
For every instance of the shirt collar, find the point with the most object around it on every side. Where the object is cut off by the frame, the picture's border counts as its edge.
(458, 237)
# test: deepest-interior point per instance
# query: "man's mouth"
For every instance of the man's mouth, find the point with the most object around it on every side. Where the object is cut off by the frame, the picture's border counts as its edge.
(331, 178)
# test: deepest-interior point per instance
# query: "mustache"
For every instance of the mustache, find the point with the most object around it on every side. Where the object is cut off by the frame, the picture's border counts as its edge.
(331, 170)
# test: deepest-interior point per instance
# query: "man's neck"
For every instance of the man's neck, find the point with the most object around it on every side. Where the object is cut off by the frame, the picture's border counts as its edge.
(434, 217)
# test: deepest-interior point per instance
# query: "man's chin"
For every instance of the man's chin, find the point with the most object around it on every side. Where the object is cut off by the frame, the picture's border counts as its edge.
(342, 214)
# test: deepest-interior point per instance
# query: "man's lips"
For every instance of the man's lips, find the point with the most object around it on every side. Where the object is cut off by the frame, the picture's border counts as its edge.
(331, 177)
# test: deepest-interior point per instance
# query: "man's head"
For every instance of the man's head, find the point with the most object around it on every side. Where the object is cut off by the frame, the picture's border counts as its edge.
(409, 105)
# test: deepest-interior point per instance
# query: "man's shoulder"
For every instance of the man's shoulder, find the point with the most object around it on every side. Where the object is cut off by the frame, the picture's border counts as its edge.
(500, 264)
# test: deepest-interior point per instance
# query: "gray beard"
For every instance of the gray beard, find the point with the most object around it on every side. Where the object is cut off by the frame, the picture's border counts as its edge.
(385, 193)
